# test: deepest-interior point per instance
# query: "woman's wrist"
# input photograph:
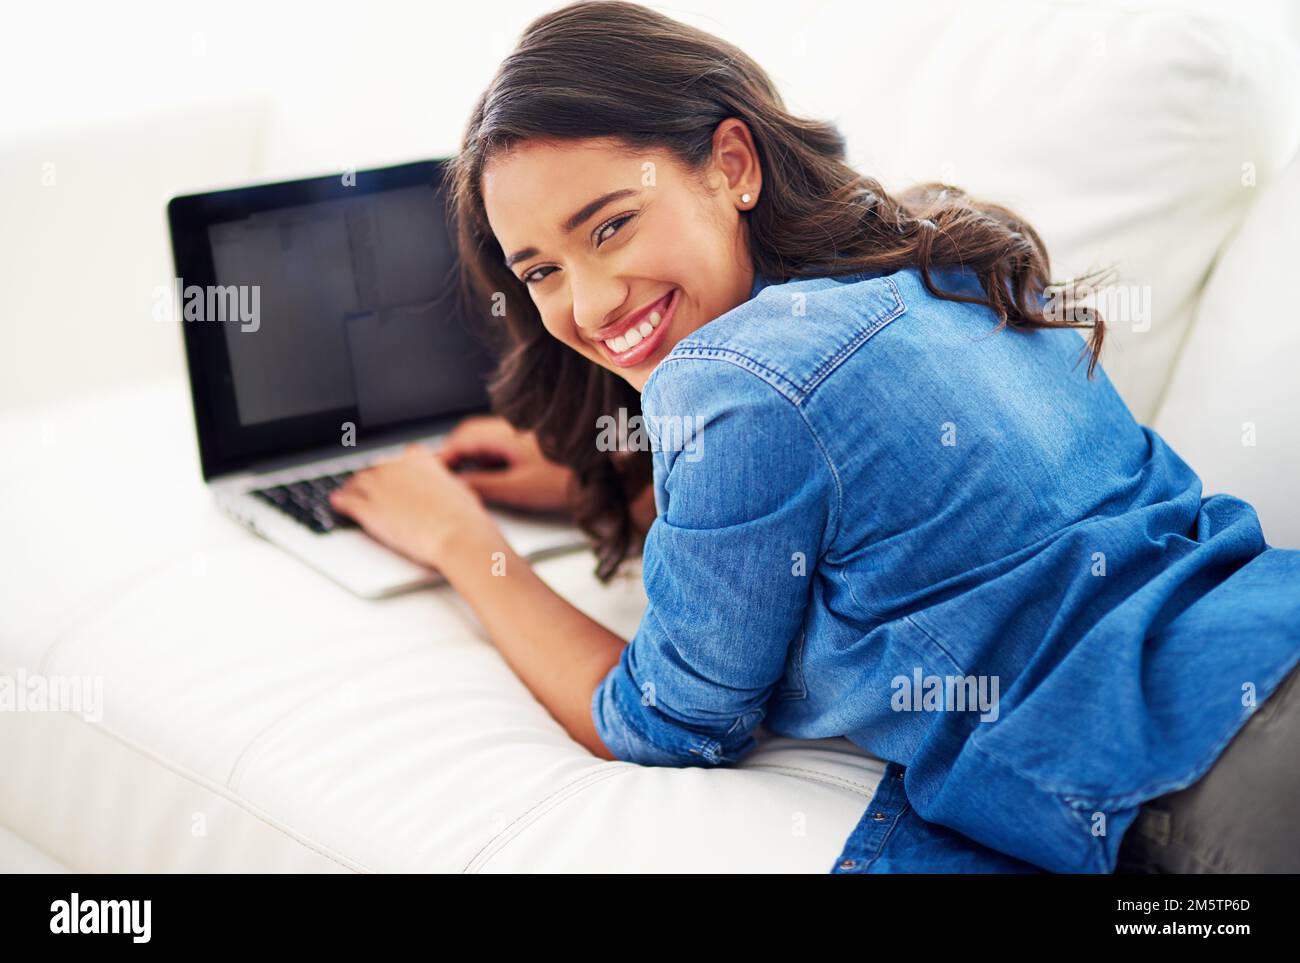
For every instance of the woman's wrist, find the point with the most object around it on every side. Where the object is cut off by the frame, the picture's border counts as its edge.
(471, 539)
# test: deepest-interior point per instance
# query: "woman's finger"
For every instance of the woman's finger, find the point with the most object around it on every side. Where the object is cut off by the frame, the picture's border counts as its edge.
(348, 500)
(498, 486)
(356, 483)
(452, 455)
(487, 438)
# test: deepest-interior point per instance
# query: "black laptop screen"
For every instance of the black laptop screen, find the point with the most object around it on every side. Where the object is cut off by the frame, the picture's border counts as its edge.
(317, 305)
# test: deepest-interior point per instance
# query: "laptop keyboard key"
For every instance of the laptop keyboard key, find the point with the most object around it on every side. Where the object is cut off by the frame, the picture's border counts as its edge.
(307, 502)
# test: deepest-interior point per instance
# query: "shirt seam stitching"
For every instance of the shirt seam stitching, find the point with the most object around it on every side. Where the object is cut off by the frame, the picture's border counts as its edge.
(824, 370)
(942, 648)
(889, 833)
(731, 356)
(1150, 790)
(725, 355)
(802, 390)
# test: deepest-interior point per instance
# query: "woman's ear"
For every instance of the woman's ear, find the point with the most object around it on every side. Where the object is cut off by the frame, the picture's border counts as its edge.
(736, 158)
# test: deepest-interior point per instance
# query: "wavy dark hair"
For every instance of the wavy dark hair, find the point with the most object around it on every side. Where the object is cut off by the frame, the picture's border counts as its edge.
(617, 70)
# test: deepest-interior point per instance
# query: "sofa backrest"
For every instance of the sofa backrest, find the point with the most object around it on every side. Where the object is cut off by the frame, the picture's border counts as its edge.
(1134, 132)
(1131, 133)
(1232, 408)
(85, 246)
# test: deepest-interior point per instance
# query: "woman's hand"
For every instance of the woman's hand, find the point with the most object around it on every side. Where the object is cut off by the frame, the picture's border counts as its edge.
(415, 505)
(418, 506)
(524, 480)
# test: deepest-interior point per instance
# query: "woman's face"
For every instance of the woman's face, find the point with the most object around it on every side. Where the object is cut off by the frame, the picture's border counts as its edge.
(624, 254)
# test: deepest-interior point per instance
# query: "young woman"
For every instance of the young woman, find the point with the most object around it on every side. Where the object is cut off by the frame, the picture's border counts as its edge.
(879, 498)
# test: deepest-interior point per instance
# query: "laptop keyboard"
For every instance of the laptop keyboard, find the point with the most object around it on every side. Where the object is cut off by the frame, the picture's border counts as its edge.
(307, 502)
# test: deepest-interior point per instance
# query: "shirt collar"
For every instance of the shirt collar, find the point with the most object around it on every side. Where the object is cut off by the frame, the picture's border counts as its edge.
(760, 282)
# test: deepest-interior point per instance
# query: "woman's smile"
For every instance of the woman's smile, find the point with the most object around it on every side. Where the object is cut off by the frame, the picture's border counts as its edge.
(637, 337)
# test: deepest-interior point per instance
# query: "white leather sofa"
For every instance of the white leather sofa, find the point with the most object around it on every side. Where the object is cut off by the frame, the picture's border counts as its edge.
(256, 717)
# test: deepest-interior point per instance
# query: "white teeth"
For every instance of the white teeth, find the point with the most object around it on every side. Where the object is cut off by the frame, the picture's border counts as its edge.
(634, 336)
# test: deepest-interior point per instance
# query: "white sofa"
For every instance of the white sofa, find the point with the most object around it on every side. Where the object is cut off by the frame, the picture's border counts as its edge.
(256, 717)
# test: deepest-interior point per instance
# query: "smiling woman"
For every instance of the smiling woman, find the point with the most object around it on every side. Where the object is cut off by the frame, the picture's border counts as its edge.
(621, 163)
(661, 240)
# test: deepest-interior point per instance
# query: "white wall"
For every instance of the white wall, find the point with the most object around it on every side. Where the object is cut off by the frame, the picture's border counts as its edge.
(110, 109)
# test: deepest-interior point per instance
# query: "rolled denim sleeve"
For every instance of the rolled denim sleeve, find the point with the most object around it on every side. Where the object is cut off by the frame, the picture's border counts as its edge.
(746, 503)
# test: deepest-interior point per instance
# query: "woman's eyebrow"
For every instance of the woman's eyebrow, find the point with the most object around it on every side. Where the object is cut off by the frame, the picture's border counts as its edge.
(575, 221)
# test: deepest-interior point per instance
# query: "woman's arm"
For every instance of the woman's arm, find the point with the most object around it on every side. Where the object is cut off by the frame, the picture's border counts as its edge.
(558, 652)
(729, 571)
(417, 506)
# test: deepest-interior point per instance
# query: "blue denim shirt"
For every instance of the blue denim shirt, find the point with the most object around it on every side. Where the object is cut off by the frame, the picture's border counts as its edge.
(883, 519)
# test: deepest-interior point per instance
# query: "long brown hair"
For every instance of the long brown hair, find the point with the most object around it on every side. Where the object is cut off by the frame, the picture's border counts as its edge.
(621, 71)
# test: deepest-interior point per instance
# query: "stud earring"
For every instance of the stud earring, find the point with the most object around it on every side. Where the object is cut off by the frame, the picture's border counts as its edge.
(744, 198)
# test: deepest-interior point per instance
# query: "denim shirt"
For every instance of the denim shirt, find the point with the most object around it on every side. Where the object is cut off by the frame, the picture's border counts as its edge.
(881, 518)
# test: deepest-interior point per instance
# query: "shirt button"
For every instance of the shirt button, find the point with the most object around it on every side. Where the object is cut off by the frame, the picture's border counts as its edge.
(848, 864)
(879, 817)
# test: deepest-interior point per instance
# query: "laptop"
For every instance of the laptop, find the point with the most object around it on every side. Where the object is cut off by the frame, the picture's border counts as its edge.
(323, 332)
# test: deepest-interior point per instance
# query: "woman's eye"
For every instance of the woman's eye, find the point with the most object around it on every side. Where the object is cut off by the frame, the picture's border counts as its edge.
(532, 275)
(610, 228)
(603, 234)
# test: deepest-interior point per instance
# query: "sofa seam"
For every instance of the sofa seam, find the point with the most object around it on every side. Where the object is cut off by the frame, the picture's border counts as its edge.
(225, 793)
(574, 787)
(813, 775)
(247, 755)
(32, 844)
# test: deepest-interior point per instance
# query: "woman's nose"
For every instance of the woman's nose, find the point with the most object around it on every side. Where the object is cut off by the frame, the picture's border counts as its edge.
(595, 303)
